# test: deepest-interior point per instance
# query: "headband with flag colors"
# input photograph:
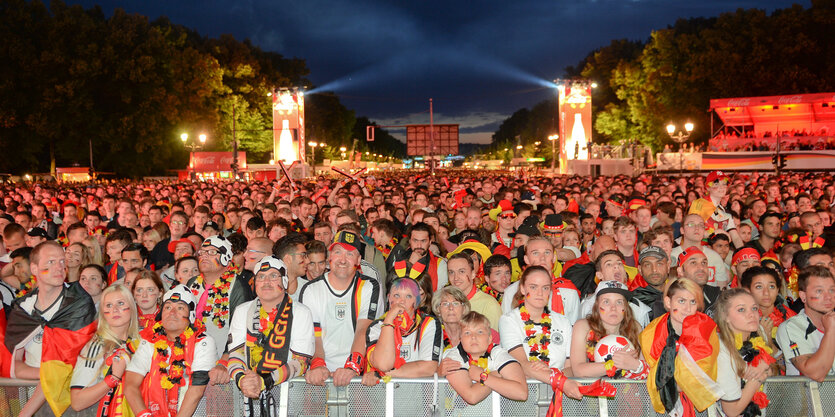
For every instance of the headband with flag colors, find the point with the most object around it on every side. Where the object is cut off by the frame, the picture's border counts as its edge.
(745, 254)
(689, 252)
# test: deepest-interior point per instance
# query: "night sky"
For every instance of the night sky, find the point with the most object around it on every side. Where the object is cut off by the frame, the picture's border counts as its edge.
(479, 60)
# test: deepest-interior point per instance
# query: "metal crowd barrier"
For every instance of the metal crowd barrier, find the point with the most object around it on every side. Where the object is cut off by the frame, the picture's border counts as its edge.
(430, 397)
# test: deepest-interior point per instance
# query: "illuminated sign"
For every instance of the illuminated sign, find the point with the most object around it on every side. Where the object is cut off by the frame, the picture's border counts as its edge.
(575, 122)
(288, 125)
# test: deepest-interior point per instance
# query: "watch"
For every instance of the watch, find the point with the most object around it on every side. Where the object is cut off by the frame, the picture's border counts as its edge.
(482, 378)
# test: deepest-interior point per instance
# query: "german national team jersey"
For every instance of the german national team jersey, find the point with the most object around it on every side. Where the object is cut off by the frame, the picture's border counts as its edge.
(424, 343)
(335, 314)
(512, 332)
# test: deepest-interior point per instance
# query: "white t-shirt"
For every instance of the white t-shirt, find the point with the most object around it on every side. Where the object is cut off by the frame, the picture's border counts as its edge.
(32, 349)
(512, 334)
(640, 310)
(798, 336)
(204, 360)
(427, 348)
(301, 332)
(718, 270)
(335, 314)
(300, 281)
(570, 301)
(88, 372)
(498, 358)
(727, 378)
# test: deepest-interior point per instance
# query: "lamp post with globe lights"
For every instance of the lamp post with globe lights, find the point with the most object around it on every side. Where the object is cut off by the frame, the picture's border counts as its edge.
(193, 146)
(681, 137)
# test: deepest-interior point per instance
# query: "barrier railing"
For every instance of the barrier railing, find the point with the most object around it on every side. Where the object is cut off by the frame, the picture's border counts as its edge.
(430, 397)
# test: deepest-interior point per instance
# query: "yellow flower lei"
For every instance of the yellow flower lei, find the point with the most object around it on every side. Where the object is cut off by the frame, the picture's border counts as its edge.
(172, 374)
(218, 298)
(537, 341)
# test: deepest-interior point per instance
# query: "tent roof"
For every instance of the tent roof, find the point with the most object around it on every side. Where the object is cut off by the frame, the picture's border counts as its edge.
(796, 108)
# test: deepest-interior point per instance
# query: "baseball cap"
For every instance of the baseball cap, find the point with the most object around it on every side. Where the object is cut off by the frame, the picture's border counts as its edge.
(652, 252)
(212, 225)
(348, 240)
(716, 176)
(37, 232)
(612, 286)
(683, 256)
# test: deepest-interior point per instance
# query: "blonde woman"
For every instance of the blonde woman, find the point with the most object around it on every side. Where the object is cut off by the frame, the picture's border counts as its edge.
(92, 243)
(744, 357)
(76, 255)
(97, 378)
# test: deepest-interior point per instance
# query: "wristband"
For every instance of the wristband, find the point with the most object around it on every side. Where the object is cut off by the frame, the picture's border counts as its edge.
(385, 325)
(317, 363)
(354, 362)
(222, 363)
(483, 378)
(238, 378)
(111, 381)
(640, 368)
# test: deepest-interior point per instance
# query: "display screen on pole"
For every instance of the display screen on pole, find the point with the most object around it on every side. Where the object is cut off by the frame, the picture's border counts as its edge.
(419, 141)
(288, 125)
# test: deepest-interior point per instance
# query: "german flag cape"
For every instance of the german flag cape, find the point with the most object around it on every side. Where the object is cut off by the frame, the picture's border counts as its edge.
(693, 367)
(5, 355)
(63, 338)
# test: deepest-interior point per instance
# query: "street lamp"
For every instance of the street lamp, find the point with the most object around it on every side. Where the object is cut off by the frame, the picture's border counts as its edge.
(193, 146)
(313, 145)
(553, 139)
(342, 149)
(680, 138)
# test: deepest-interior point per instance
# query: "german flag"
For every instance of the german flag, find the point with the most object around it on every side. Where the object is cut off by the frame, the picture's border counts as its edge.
(694, 368)
(63, 338)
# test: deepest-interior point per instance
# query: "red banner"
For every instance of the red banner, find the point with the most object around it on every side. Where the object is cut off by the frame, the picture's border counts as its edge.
(215, 161)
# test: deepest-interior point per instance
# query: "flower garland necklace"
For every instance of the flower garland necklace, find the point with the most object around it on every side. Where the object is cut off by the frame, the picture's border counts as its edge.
(753, 351)
(27, 287)
(171, 369)
(485, 288)
(217, 303)
(537, 341)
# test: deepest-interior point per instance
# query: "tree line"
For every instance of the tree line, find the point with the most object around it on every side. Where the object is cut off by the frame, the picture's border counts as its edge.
(644, 85)
(73, 80)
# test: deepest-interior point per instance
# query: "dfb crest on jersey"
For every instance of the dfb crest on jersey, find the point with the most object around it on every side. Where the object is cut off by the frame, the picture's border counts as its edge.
(556, 338)
(341, 310)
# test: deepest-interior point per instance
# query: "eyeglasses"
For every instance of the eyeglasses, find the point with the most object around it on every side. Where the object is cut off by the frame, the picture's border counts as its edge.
(448, 304)
(507, 216)
(210, 252)
(255, 251)
(691, 224)
(178, 222)
(273, 277)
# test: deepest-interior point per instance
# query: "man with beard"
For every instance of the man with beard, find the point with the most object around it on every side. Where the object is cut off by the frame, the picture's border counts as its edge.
(692, 265)
(343, 302)
(655, 269)
(291, 250)
(413, 262)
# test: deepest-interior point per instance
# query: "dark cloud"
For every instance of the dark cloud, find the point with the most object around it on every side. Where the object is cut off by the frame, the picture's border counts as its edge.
(386, 59)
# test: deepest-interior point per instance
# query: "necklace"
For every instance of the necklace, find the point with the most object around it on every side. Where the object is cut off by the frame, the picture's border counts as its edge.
(27, 287)
(217, 303)
(537, 341)
(171, 368)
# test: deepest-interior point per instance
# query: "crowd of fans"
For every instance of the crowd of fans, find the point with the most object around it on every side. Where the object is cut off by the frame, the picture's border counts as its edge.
(133, 297)
(790, 140)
